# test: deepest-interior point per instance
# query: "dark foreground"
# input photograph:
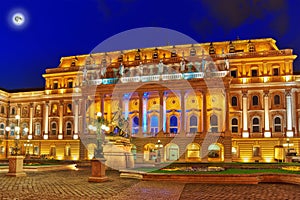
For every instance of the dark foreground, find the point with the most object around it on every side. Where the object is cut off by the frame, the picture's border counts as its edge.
(74, 185)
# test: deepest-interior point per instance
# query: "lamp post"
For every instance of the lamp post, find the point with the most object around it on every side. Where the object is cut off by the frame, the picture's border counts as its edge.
(16, 149)
(98, 162)
(158, 146)
(7, 129)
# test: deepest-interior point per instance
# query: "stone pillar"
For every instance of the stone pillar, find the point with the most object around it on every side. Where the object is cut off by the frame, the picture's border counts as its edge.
(204, 112)
(46, 118)
(102, 99)
(141, 94)
(145, 102)
(126, 106)
(289, 119)
(31, 119)
(61, 113)
(83, 114)
(245, 133)
(161, 110)
(15, 166)
(76, 117)
(227, 111)
(98, 171)
(267, 132)
(183, 118)
(165, 113)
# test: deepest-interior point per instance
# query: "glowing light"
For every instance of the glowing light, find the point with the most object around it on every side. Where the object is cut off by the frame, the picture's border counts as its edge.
(267, 134)
(245, 159)
(245, 134)
(60, 137)
(75, 137)
(99, 114)
(268, 160)
(45, 137)
(244, 80)
(29, 137)
(289, 134)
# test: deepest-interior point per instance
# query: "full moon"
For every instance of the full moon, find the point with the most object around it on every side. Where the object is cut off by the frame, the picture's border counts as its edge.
(18, 19)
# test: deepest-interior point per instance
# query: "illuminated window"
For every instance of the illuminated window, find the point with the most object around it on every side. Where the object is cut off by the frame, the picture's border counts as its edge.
(277, 124)
(38, 110)
(69, 128)
(214, 151)
(234, 125)
(67, 150)
(172, 152)
(213, 123)
(155, 54)
(2, 129)
(255, 100)
(24, 126)
(154, 124)
(193, 124)
(36, 150)
(276, 99)
(193, 150)
(173, 124)
(37, 128)
(233, 101)
(135, 125)
(275, 71)
(255, 125)
(192, 52)
(69, 108)
(12, 129)
(54, 109)
(53, 128)
(254, 72)
(52, 151)
(2, 150)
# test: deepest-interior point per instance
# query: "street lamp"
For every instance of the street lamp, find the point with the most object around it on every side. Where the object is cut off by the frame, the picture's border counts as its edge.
(16, 149)
(158, 146)
(100, 125)
(7, 132)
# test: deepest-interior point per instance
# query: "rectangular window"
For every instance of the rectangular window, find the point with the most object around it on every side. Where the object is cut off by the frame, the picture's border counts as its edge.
(254, 72)
(70, 84)
(255, 128)
(193, 130)
(55, 85)
(36, 150)
(234, 129)
(275, 71)
(233, 73)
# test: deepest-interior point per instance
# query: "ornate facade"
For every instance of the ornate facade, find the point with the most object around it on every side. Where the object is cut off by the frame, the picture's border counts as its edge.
(223, 101)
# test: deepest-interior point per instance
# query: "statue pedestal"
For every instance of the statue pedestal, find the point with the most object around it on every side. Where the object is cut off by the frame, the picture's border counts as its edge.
(117, 152)
(15, 166)
(98, 171)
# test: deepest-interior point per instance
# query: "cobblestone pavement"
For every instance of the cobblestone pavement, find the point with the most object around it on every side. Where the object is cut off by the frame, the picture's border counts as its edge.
(74, 185)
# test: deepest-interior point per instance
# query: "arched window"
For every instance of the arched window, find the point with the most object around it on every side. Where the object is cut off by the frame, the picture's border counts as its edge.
(233, 101)
(255, 100)
(277, 124)
(154, 124)
(173, 124)
(255, 125)
(135, 125)
(276, 100)
(69, 128)
(24, 129)
(193, 124)
(2, 110)
(234, 125)
(37, 128)
(2, 129)
(53, 128)
(12, 129)
(213, 123)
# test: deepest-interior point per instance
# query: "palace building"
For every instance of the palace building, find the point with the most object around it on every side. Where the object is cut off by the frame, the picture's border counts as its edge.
(220, 101)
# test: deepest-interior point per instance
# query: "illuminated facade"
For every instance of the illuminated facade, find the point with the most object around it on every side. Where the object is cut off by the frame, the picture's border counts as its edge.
(221, 101)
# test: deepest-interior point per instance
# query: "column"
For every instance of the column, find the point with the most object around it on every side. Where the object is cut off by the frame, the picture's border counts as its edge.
(165, 113)
(267, 132)
(31, 119)
(145, 102)
(141, 94)
(102, 99)
(76, 117)
(289, 119)
(46, 118)
(161, 110)
(245, 133)
(204, 112)
(19, 110)
(183, 120)
(227, 111)
(61, 112)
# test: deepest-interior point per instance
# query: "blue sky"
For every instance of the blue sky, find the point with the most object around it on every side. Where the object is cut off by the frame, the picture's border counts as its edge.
(56, 28)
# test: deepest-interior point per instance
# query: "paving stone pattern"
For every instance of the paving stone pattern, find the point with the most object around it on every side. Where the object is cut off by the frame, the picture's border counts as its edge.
(74, 185)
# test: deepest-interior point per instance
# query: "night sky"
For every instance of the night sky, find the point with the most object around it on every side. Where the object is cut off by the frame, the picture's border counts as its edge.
(56, 28)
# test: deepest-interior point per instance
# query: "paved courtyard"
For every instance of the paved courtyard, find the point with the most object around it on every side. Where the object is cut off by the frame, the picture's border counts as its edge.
(74, 185)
